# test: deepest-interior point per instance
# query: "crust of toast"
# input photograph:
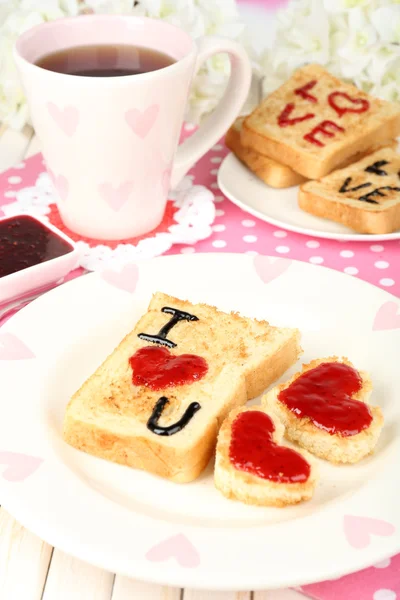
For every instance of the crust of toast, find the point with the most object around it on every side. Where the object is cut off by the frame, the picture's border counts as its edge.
(270, 171)
(262, 133)
(250, 489)
(323, 199)
(107, 417)
(333, 448)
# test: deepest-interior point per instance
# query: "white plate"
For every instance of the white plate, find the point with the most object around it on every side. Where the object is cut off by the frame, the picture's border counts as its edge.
(136, 524)
(279, 207)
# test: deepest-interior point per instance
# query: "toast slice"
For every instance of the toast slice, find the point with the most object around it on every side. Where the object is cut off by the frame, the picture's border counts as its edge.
(314, 123)
(308, 405)
(156, 403)
(268, 170)
(254, 467)
(364, 196)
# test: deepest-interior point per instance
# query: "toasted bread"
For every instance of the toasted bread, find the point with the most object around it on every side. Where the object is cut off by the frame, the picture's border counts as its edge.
(172, 430)
(246, 479)
(268, 170)
(314, 123)
(334, 446)
(358, 196)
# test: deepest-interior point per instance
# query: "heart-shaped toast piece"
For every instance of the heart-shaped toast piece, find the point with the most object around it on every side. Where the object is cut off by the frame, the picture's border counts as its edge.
(254, 467)
(157, 368)
(324, 409)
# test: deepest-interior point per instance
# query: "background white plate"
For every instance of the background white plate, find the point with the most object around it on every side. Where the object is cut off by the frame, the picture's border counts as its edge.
(280, 207)
(113, 516)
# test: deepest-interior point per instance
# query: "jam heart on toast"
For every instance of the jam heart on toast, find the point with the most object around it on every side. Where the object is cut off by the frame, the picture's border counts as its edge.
(347, 103)
(324, 395)
(252, 449)
(156, 368)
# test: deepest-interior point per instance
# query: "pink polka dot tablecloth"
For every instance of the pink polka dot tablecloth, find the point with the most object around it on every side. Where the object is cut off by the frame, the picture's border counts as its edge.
(235, 231)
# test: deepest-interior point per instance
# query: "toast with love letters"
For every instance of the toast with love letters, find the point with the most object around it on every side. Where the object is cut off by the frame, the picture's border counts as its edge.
(325, 410)
(254, 466)
(268, 170)
(314, 123)
(364, 197)
(274, 174)
(156, 403)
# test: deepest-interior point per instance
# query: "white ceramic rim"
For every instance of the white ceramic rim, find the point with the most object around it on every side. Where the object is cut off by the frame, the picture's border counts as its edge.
(53, 488)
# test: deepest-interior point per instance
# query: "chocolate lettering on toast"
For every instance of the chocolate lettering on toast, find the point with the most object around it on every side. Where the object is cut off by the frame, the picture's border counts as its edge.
(323, 129)
(161, 336)
(345, 187)
(284, 119)
(154, 427)
(303, 91)
(376, 168)
(377, 192)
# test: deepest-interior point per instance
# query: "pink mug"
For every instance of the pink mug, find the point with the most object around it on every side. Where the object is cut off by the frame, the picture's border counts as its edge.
(111, 144)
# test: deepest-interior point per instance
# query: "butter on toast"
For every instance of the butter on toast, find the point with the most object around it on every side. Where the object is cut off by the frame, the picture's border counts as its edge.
(325, 410)
(268, 170)
(364, 196)
(314, 123)
(191, 365)
(253, 466)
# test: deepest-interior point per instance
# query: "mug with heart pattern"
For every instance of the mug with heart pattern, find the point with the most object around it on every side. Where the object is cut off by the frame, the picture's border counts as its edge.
(111, 144)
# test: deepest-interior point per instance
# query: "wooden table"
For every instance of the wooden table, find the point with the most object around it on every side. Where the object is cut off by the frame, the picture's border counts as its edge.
(30, 569)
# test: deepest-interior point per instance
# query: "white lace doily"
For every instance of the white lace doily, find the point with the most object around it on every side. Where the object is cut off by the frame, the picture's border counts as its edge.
(192, 223)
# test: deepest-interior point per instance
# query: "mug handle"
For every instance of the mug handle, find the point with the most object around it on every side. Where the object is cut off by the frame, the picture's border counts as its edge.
(211, 131)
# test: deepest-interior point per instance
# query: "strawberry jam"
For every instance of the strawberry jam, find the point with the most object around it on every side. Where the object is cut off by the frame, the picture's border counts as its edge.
(253, 450)
(156, 368)
(324, 395)
(25, 242)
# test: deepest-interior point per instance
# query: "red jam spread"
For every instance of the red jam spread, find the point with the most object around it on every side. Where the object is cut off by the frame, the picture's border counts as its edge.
(354, 105)
(25, 242)
(303, 91)
(323, 129)
(324, 395)
(253, 450)
(156, 368)
(284, 119)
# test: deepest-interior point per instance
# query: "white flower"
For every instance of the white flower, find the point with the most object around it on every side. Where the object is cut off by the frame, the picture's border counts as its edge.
(386, 21)
(336, 6)
(356, 52)
(356, 40)
(197, 17)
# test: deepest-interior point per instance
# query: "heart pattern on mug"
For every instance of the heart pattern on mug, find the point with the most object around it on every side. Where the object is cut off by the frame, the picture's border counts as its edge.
(125, 280)
(116, 196)
(177, 547)
(268, 269)
(165, 180)
(358, 530)
(348, 104)
(12, 348)
(387, 317)
(60, 183)
(142, 122)
(67, 118)
(18, 466)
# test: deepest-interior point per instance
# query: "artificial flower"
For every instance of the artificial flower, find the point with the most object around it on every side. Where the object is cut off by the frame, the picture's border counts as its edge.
(356, 40)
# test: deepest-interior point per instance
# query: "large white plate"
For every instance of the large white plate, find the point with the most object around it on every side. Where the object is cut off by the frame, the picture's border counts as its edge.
(116, 517)
(280, 207)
